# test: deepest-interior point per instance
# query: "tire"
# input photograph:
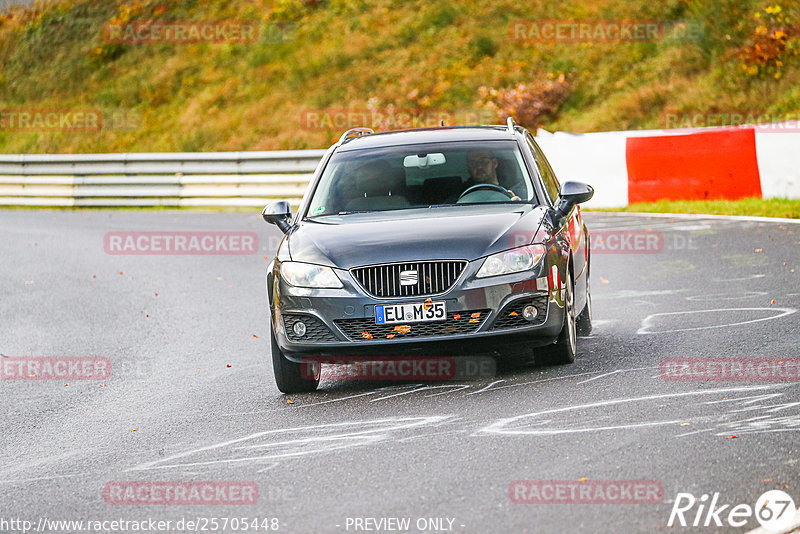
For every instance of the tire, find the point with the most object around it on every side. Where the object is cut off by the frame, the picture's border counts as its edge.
(290, 377)
(583, 324)
(563, 351)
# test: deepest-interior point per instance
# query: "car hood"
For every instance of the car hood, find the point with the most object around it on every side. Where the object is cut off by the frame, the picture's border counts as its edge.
(420, 234)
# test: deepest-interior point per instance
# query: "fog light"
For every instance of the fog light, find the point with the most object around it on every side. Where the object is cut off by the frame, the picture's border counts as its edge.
(530, 313)
(299, 328)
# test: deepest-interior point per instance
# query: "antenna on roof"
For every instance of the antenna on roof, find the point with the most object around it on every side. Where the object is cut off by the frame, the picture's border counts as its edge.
(511, 125)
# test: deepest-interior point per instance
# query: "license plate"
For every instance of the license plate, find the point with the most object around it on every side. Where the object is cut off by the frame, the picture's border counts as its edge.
(420, 312)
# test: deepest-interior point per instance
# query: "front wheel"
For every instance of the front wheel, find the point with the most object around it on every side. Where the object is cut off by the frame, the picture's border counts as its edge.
(563, 351)
(293, 377)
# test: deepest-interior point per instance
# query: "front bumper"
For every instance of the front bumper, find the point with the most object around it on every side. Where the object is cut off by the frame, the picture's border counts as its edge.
(482, 315)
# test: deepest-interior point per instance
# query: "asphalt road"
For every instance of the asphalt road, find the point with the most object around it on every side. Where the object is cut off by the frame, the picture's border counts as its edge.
(191, 395)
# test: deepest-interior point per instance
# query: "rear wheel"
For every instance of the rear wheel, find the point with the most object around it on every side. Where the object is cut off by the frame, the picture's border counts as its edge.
(563, 351)
(293, 377)
(583, 323)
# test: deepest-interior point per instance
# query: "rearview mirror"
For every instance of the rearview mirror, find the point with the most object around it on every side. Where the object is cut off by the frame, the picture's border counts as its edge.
(571, 194)
(278, 213)
(420, 161)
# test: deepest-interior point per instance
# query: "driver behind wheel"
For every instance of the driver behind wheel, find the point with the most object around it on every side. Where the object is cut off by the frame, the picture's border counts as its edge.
(482, 167)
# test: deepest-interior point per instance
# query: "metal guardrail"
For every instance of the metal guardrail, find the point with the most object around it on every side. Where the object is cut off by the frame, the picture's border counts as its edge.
(156, 179)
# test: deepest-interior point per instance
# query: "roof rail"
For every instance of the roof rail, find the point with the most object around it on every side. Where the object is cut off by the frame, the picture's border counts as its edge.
(511, 125)
(353, 133)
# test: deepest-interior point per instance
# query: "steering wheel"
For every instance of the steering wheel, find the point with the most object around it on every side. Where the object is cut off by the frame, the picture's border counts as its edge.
(492, 187)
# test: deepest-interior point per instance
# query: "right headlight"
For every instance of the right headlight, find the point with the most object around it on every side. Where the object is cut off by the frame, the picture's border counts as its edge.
(512, 261)
(308, 275)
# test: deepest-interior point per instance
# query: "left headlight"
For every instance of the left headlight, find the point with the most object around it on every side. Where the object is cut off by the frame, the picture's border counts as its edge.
(512, 261)
(307, 275)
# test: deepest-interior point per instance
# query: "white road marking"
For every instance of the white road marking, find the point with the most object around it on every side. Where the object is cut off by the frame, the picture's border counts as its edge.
(423, 388)
(744, 279)
(338, 400)
(644, 329)
(505, 426)
(727, 296)
(599, 376)
(486, 387)
(339, 436)
(461, 387)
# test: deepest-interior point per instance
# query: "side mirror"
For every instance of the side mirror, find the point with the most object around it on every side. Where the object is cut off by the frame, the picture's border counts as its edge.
(572, 194)
(278, 213)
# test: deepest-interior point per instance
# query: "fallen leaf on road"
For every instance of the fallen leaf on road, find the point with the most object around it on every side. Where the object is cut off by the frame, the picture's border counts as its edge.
(686, 424)
(731, 437)
(767, 480)
(135, 429)
(772, 301)
(255, 335)
(584, 479)
(604, 280)
(289, 401)
(228, 365)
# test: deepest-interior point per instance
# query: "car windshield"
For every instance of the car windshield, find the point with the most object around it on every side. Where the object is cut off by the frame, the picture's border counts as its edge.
(416, 176)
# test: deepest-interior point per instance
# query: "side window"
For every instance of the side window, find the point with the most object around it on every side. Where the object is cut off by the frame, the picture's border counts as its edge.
(548, 177)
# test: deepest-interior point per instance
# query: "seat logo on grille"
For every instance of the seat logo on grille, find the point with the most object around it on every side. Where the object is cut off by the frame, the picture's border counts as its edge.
(408, 278)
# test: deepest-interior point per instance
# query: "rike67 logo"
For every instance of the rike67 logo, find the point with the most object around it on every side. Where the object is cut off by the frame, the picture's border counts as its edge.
(774, 510)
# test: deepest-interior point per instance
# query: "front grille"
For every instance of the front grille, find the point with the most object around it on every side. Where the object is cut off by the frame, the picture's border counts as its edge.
(316, 331)
(511, 315)
(432, 278)
(366, 329)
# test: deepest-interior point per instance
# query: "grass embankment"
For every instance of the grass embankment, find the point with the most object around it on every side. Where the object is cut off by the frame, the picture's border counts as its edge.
(713, 56)
(754, 207)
